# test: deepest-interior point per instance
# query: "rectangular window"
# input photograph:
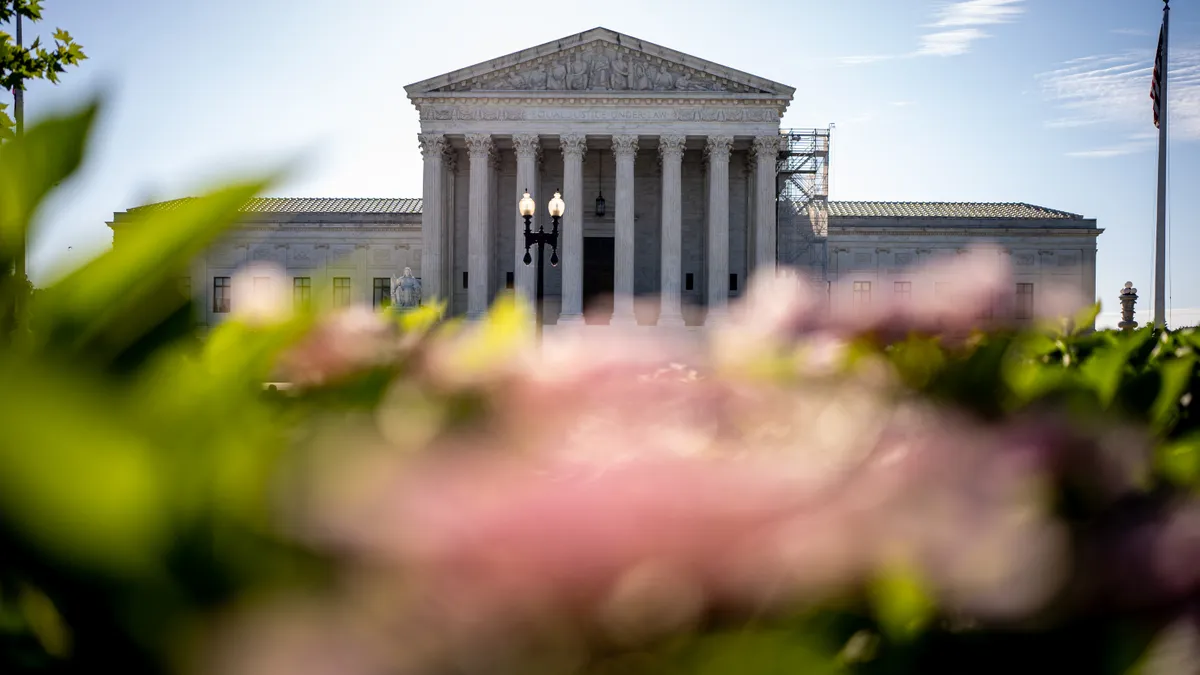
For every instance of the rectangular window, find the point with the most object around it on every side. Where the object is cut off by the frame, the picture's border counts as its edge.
(302, 292)
(1024, 301)
(465, 280)
(508, 280)
(381, 292)
(341, 291)
(903, 290)
(733, 282)
(862, 292)
(688, 281)
(221, 295)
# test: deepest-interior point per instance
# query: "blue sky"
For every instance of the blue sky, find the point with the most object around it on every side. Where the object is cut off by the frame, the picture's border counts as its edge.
(1041, 101)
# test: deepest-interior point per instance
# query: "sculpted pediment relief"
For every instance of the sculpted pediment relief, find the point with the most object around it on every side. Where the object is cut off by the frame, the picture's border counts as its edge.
(599, 66)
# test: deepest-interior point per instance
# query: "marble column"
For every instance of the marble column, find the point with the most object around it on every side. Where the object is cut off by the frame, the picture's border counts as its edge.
(670, 149)
(525, 277)
(433, 230)
(625, 149)
(449, 185)
(718, 226)
(574, 147)
(751, 220)
(479, 149)
(766, 154)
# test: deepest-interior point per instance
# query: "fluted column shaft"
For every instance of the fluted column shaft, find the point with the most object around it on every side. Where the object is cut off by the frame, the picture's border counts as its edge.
(574, 147)
(479, 148)
(670, 149)
(718, 225)
(433, 234)
(625, 149)
(525, 277)
(766, 150)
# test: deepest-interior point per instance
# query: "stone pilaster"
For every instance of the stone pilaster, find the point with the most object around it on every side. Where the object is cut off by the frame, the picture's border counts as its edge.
(625, 149)
(766, 153)
(670, 150)
(433, 229)
(525, 276)
(479, 149)
(718, 226)
(574, 147)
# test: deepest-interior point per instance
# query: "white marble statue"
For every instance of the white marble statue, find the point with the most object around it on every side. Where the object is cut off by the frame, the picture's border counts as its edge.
(406, 291)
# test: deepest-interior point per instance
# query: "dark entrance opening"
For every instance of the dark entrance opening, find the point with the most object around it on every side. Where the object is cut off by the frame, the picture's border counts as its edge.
(598, 279)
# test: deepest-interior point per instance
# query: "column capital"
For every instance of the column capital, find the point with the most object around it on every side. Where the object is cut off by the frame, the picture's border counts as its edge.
(573, 145)
(671, 145)
(432, 145)
(479, 146)
(767, 145)
(526, 145)
(718, 148)
(625, 145)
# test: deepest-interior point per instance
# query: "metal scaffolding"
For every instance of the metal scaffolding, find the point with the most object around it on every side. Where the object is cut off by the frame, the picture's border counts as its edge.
(802, 200)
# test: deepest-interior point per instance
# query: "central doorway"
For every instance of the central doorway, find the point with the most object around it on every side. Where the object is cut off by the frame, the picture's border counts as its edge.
(598, 279)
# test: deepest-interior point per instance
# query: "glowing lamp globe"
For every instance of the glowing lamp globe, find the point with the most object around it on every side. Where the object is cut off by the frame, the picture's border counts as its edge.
(557, 206)
(527, 205)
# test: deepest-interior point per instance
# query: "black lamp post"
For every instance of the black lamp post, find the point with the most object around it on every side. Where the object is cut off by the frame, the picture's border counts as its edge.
(540, 239)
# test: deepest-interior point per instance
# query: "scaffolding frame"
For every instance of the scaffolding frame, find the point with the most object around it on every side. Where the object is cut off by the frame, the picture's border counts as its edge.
(802, 199)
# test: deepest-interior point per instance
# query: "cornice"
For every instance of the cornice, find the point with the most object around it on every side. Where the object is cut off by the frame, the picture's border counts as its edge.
(973, 231)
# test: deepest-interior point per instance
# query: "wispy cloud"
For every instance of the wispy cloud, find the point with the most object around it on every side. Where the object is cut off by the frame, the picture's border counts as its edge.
(1131, 147)
(979, 13)
(950, 42)
(1136, 32)
(1112, 91)
(956, 28)
(864, 59)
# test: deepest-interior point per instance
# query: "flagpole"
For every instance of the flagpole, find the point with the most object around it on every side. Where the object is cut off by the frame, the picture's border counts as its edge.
(1160, 234)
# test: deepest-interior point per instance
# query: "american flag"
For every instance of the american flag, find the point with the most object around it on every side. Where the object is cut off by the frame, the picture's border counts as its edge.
(1156, 83)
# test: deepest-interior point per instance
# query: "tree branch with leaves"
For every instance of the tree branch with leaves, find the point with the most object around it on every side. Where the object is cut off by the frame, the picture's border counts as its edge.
(19, 64)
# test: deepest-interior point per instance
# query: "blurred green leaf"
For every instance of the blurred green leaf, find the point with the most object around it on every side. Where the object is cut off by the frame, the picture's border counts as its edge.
(1179, 461)
(902, 603)
(108, 304)
(1085, 319)
(1107, 366)
(1176, 376)
(32, 166)
(74, 476)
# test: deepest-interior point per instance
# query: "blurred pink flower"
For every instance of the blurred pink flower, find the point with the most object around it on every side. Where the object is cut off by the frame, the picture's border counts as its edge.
(976, 290)
(348, 341)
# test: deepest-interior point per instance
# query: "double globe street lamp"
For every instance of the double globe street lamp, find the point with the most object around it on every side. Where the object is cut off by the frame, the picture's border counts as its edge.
(541, 239)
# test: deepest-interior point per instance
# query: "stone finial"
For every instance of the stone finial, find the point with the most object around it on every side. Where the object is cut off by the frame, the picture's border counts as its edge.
(1128, 300)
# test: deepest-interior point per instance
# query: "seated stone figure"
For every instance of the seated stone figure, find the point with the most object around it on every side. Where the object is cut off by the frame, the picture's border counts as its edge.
(406, 291)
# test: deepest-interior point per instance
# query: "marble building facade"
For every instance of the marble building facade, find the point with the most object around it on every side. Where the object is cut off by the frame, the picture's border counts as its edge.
(683, 150)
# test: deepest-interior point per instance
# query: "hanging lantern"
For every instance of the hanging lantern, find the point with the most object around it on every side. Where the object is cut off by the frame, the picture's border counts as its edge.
(601, 208)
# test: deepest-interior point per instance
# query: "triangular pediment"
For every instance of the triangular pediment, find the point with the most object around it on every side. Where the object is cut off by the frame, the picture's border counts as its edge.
(599, 60)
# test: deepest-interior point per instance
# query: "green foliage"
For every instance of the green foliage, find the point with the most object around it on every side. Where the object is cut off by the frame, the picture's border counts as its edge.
(19, 64)
(140, 464)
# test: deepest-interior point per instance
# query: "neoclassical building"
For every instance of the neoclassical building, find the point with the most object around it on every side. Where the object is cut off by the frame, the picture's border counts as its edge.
(686, 155)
